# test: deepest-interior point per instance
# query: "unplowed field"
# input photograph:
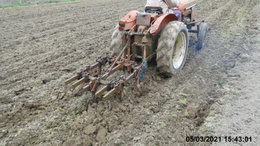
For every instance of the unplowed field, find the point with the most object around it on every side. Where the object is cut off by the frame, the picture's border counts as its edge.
(42, 46)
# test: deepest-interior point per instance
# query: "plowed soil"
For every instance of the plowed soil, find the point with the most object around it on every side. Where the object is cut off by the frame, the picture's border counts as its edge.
(42, 46)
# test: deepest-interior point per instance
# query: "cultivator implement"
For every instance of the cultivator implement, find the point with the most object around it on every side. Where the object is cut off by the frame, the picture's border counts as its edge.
(95, 78)
(146, 36)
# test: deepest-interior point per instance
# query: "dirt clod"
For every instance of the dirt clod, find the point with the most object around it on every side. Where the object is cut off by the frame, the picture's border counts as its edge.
(90, 129)
(101, 135)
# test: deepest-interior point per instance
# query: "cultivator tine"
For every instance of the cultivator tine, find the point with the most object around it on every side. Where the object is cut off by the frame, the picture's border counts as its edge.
(110, 93)
(72, 79)
(77, 83)
(94, 65)
(86, 88)
(114, 70)
(101, 91)
(130, 76)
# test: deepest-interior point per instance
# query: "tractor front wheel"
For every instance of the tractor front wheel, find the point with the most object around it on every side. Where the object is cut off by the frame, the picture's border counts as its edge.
(172, 49)
(202, 35)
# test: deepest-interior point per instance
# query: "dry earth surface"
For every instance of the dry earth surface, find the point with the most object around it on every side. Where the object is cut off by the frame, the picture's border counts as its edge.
(13, 3)
(237, 113)
(42, 46)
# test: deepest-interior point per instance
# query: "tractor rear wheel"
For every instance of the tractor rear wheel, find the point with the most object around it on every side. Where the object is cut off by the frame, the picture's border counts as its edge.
(117, 41)
(172, 49)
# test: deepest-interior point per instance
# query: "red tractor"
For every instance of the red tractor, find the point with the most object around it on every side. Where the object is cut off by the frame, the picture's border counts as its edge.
(139, 38)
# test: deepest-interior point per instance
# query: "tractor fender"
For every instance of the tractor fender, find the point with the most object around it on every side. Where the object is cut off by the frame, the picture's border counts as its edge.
(161, 22)
(130, 19)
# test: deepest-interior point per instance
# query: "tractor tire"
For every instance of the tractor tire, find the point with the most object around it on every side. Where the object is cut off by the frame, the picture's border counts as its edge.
(117, 41)
(172, 49)
(202, 35)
